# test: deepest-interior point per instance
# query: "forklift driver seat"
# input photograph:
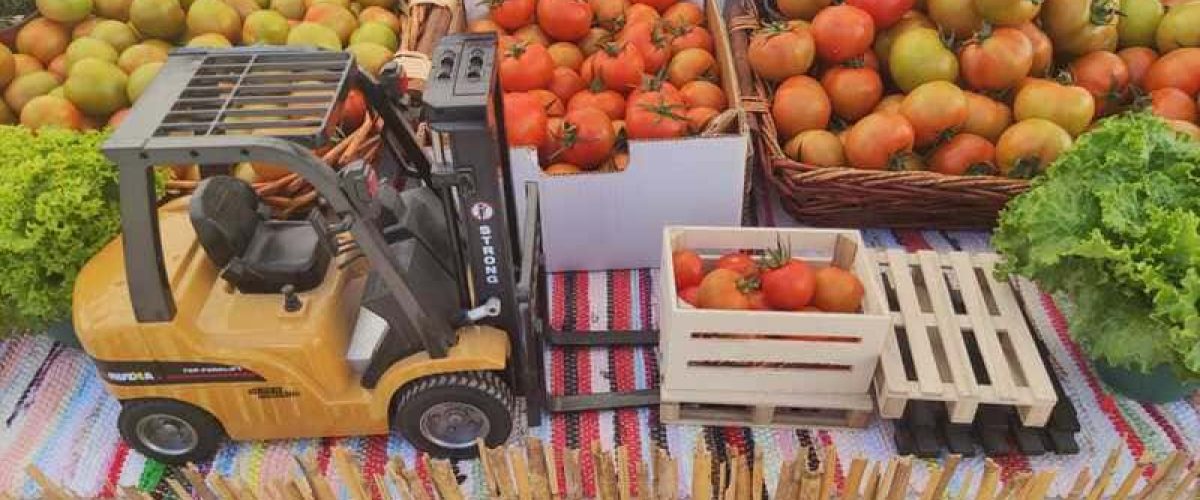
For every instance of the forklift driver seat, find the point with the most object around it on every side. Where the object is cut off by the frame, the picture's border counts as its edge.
(254, 253)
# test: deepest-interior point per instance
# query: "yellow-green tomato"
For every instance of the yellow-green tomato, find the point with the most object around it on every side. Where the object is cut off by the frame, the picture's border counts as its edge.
(1138, 22)
(1180, 27)
(919, 56)
(1008, 12)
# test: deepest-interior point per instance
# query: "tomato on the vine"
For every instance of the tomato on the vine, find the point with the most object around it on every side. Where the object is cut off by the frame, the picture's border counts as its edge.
(656, 116)
(524, 120)
(565, 20)
(525, 67)
(690, 37)
(884, 13)
(619, 66)
(842, 32)
(723, 289)
(511, 14)
(597, 97)
(788, 285)
(586, 138)
(652, 41)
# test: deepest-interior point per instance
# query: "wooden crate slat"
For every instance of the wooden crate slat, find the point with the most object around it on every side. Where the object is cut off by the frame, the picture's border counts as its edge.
(891, 379)
(1034, 370)
(929, 380)
(957, 358)
(985, 333)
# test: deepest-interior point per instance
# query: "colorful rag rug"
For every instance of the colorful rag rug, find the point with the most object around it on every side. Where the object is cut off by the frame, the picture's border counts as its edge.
(55, 413)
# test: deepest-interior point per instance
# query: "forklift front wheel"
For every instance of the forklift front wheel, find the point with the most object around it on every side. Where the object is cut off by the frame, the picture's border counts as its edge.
(170, 432)
(444, 414)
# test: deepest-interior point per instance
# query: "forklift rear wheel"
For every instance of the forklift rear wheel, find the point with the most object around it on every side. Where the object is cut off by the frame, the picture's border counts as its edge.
(444, 414)
(169, 431)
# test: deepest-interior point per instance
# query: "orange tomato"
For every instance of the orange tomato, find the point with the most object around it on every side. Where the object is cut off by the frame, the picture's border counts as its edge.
(1179, 68)
(690, 65)
(853, 92)
(996, 61)
(964, 154)
(698, 118)
(878, 141)
(564, 20)
(816, 147)
(566, 55)
(933, 109)
(565, 83)
(985, 117)
(1173, 104)
(837, 291)
(550, 102)
(1104, 75)
(684, 14)
(1137, 61)
(842, 32)
(776, 52)
(562, 169)
(704, 93)
(800, 104)
(722, 289)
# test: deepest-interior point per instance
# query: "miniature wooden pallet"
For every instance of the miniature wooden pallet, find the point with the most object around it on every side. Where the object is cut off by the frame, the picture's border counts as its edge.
(960, 338)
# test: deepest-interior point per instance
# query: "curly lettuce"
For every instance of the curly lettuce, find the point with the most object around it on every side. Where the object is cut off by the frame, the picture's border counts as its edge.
(1115, 224)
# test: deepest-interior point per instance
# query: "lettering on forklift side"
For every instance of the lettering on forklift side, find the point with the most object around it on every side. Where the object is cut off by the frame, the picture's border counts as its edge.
(491, 273)
(273, 392)
(171, 372)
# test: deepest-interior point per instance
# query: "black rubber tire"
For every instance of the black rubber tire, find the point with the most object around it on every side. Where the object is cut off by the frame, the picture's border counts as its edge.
(209, 432)
(485, 390)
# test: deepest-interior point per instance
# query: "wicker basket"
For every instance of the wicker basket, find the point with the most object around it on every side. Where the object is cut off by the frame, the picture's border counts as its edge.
(849, 197)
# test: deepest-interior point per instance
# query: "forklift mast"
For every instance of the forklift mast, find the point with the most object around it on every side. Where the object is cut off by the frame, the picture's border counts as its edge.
(462, 105)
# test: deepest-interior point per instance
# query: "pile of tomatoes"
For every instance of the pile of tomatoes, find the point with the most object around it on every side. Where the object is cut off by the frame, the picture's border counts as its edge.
(970, 87)
(775, 282)
(581, 76)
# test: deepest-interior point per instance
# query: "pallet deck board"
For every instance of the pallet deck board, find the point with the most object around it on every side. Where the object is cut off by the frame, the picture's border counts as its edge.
(965, 337)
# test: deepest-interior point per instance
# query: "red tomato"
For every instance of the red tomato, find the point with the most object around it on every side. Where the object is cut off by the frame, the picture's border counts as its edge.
(1137, 61)
(655, 85)
(879, 141)
(691, 37)
(883, 12)
(800, 104)
(511, 14)
(739, 263)
(525, 67)
(689, 269)
(690, 295)
(1173, 104)
(550, 102)
(933, 109)
(597, 97)
(1043, 49)
(655, 116)
(524, 120)
(842, 32)
(564, 20)
(789, 287)
(1104, 75)
(608, 12)
(698, 118)
(620, 67)
(964, 154)
(853, 92)
(722, 289)
(1179, 68)
(658, 5)
(639, 12)
(652, 41)
(586, 138)
(566, 83)
(354, 110)
(996, 61)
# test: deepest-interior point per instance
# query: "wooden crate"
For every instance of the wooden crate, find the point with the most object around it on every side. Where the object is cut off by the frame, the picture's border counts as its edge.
(763, 362)
(959, 337)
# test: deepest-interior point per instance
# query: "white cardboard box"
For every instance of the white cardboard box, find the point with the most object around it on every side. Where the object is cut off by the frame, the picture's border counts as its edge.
(597, 221)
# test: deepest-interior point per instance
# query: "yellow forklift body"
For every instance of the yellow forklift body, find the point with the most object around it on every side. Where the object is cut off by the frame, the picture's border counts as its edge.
(263, 372)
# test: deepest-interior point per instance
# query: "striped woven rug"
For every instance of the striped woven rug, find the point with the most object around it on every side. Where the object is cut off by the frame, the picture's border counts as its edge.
(54, 412)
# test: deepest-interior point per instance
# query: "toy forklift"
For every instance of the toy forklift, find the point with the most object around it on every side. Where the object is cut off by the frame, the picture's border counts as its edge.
(386, 308)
